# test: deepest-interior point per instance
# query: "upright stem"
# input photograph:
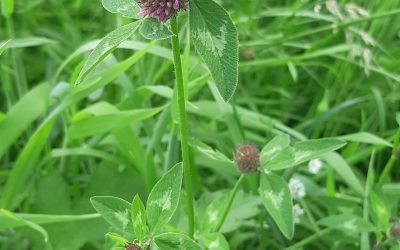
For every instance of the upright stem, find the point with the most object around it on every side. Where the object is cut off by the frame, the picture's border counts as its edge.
(229, 204)
(389, 165)
(183, 124)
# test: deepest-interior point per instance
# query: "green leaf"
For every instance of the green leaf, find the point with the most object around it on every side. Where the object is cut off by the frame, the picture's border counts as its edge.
(213, 212)
(343, 169)
(215, 241)
(7, 7)
(216, 40)
(348, 223)
(25, 165)
(154, 30)
(379, 211)
(398, 118)
(173, 241)
(28, 223)
(128, 8)
(21, 115)
(273, 147)
(106, 46)
(164, 198)
(3, 46)
(138, 216)
(275, 195)
(365, 137)
(103, 117)
(114, 210)
(30, 42)
(302, 152)
(6, 222)
(117, 238)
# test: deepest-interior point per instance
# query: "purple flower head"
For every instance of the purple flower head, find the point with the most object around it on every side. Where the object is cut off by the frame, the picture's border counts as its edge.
(161, 9)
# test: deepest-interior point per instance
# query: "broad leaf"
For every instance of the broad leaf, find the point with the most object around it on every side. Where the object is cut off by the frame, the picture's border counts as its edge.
(275, 195)
(348, 223)
(128, 8)
(215, 241)
(106, 46)
(173, 241)
(114, 210)
(216, 40)
(154, 30)
(164, 198)
(117, 238)
(213, 212)
(138, 216)
(302, 152)
(273, 147)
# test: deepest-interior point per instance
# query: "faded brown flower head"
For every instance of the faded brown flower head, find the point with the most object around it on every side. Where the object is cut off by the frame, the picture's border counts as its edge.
(248, 54)
(395, 230)
(247, 158)
(161, 9)
(132, 246)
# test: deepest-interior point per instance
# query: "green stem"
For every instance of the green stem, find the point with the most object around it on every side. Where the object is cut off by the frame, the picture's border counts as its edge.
(183, 124)
(229, 204)
(389, 165)
(20, 78)
(310, 239)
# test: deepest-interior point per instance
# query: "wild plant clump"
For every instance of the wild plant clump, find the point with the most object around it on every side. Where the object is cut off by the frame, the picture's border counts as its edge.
(199, 124)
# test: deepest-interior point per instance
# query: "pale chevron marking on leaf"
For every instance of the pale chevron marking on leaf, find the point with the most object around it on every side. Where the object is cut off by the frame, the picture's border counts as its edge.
(122, 217)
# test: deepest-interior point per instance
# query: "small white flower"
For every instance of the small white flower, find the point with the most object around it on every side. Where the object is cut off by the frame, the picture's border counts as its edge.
(297, 188)
(297, 213)
(314, 166)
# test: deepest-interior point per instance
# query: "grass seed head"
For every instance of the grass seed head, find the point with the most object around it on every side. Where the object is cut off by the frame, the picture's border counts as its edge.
(247, 158)
(163, 10)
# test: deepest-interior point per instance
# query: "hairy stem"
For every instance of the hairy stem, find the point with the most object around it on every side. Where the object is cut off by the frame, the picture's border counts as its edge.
(229, 204)
(183, 124)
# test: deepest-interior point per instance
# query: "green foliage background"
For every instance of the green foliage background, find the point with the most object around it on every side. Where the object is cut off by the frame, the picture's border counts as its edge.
(303, 73)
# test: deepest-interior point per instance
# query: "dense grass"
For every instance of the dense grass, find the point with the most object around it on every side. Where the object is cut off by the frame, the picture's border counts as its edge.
(310, 75)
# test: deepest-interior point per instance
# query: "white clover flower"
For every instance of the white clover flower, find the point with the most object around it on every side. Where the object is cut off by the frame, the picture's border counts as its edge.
(297, 213)
(314, 166)
(297, 188)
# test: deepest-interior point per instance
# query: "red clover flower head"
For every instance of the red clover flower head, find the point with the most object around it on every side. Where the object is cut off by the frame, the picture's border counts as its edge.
(247, 158)
(161, 9)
